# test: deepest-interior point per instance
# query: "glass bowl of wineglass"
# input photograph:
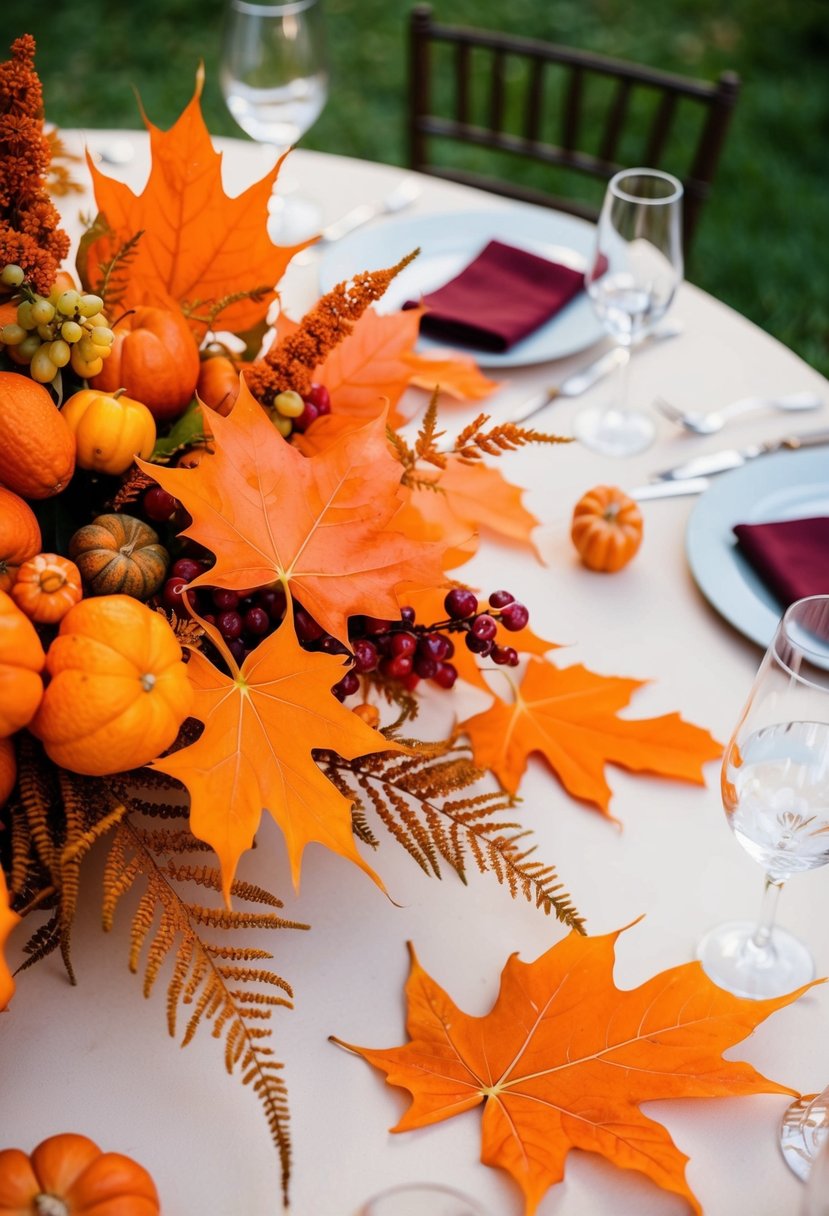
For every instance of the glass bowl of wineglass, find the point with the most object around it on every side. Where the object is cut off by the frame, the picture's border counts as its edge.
(636, 269)
(274, 79)
(775, 791)
(421, 1199)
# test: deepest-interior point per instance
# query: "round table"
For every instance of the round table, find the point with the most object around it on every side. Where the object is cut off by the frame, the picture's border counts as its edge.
(96, 1058)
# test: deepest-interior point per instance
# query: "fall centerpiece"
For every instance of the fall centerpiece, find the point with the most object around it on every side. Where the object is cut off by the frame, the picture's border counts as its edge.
(227, 573)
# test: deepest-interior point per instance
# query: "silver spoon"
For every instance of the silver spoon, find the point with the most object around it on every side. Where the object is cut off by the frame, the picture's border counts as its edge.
(708, 424)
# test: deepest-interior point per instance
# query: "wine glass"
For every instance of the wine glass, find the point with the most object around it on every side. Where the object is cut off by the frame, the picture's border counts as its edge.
(274, 79)
(816, 1199)
(775, 790)
(636, 269)
(804, 1133)
(421, 1199)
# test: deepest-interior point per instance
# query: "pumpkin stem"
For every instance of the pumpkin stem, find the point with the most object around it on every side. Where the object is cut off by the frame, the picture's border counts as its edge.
(122, 317)
(148, 681)
(611, 511)
(50, 1205)
(119, 392)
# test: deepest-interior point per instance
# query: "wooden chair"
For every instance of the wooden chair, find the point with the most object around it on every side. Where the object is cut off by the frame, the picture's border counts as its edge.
(473, 94)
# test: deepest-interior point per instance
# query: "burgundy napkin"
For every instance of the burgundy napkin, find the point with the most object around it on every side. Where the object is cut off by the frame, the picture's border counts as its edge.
(791, 557)
(499, 298)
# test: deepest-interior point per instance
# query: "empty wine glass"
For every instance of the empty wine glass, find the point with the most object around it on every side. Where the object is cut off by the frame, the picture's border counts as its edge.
(775, 790)
(636, 269)
(421, 1199)
(804, 1133)
(274, 78)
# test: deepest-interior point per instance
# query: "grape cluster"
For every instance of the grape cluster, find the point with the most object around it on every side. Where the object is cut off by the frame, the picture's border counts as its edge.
(291, 412)
(67, 327)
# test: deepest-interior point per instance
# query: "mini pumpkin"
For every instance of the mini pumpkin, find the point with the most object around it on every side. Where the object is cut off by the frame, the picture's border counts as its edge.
(119, 555)
(21, 662)
(19, 536)
(218, 384)
(155, 359)
(110, 429)
(606, 528)
(119, 690)
(68, 1175)
(46, 587)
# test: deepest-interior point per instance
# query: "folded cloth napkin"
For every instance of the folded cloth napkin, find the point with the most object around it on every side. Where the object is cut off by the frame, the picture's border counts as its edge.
(791, 557)
(499, 298)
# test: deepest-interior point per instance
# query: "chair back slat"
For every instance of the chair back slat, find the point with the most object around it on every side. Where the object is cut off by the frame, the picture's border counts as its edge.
(463, 82)
(534, 106)
(660, 129)
(571, 114)
(496, 108)
(615, 120)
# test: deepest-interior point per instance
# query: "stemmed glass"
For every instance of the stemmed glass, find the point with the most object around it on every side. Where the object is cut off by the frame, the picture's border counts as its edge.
(421, 1199)
(274, 79)
(636, 268)
(804, 1134)
(775, 790)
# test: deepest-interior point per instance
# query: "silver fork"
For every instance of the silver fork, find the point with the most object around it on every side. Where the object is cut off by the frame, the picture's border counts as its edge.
(403, 195)
(708, 424)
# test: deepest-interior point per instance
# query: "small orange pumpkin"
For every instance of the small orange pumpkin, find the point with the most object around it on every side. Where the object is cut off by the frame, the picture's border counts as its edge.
(37, 449)
(8, 771)
(119, 690)
(218, 385)
(46, 587)
(8, 920)
(606, 529)
(119, 555)
(110, 429)
(21, 662)
(155, 359)
(19, 536)
(68, 1175)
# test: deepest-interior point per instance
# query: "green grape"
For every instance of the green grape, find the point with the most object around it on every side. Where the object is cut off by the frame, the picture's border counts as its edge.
(86, 349)
(71, 331)
(282, 424)
(85, 367)
(289, 404)
(12, 335)
(89, 306)
(42, 311)
(45, 333)
(68, 302)
(12, 275)
(42, 368)
(60, 352)
(28, 347)
(24, 315)
(102, 336)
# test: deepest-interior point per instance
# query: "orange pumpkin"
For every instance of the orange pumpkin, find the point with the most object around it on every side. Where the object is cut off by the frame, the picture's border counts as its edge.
(8, 771)
(606, 528)
(218, 385)
(119, 690)
(37, 449)
(155, 360)
(19, 536)
(8, 920)
(119, 555)
(68, 1175)
(21, 662)
(110, 429)
(47, 586)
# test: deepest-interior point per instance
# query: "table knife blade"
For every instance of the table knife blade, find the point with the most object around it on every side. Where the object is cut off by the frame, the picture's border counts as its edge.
(733, 458)
(669, 489)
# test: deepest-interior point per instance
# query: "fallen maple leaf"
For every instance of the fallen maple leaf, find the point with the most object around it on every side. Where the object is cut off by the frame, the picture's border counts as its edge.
(564, 1059)
(456, 375)
(198, 244)
(369, 366)
(260, 726)
(570, 716)
(322, 525)
(8, 920)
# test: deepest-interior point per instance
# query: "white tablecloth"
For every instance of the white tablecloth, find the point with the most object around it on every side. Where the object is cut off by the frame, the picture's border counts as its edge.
(97, 1059)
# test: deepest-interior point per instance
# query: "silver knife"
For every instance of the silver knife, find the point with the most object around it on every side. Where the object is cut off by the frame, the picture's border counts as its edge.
(733, 458)
(669, 489)
(583, 379)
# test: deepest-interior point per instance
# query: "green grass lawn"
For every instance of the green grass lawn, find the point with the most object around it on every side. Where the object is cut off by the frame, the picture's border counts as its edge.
(761, 246)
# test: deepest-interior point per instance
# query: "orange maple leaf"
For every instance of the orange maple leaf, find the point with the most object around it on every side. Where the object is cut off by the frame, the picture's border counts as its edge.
(8, 920)
(322, 525)
(570, 716)
(369, 366)
(564, 1059)
(198, 244)
(456, 375)
(261, 724)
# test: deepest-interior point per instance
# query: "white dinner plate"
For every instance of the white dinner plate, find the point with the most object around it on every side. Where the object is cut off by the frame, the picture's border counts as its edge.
(450, 241)
(788, 485)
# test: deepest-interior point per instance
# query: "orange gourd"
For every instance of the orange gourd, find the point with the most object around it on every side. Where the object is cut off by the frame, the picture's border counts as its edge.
(218, 385)
(8, 771)
(19, 536)
(119, 555)
(37, 448)
(155, 360)
(606, 528)
(68, 1175)
(8, 920)
(46, 587)
(119, 690)
(110, 429)
(21, 662)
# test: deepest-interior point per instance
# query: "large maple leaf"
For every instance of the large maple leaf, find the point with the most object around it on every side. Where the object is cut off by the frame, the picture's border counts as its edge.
(570, 716)
(564, 1059)
(198, 244)
(322, 525)
(261, 724)
(369, 366)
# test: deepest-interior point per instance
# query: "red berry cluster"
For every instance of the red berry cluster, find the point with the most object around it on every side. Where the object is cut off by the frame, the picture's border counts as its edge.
(317, 403)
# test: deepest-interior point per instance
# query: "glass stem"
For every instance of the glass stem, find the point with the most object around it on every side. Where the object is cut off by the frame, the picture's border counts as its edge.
(624, 379)
(768, 910)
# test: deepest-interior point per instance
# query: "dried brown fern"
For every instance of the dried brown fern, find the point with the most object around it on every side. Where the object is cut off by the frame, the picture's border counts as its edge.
(474, 442)
(422, 800)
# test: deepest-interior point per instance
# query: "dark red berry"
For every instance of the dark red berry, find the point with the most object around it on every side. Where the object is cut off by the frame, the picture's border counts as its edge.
(224, 600)
(484, 627)
(237, 648)
(208, 618)
(411, 681)
(339, 691)
(331, 645)
(350, 683)
(460, 603)
(514, 617)
(365, 655)
(403, 643)
(187, 568)
(376, 624)
(398, 666)
(308, 415)
(425, 666)
(319, 396)
(504, 656)
(229, 625)
(408, 614)
(435, 645)
(257, 621)
(158, 505)
(307, 629)
(445, 676)
(273, 600)
(171, 594)
(500, 599)
(480, 646)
